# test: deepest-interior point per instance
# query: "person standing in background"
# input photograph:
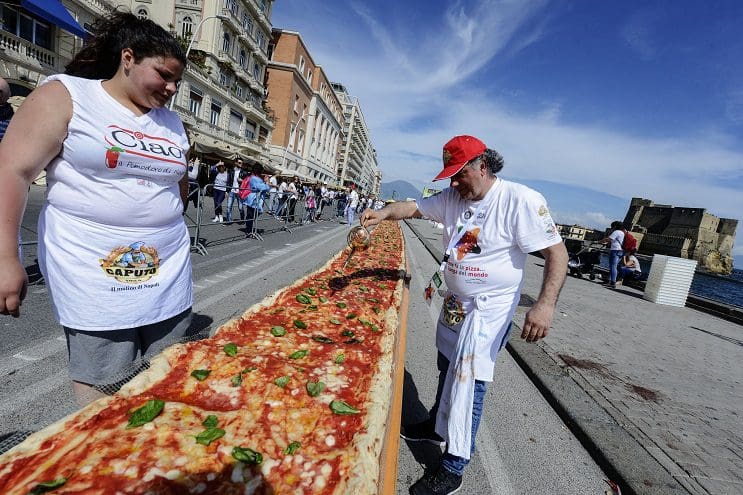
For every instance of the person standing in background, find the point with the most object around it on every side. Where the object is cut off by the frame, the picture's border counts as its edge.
(220, 176)
(118, 274)
(614, 240)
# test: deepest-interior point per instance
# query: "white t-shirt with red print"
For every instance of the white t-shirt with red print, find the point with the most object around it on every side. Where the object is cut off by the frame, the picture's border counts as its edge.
(113, 245)
(511, 221)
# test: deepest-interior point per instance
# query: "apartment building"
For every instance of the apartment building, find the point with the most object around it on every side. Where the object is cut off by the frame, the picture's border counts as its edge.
(39, 38)
(307, 112)
(358, 158)
(222, 95)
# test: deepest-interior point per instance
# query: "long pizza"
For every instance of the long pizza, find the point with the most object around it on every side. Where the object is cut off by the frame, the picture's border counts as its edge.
(292, 397)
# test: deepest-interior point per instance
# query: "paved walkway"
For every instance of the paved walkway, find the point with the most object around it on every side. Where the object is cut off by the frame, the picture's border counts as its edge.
(653, 391)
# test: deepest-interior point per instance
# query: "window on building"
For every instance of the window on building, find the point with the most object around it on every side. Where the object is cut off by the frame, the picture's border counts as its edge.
(243, 59)
(239, 91)
(248, 24)
(261, 41)
(249, 129)
(196, 97)
(216, 109)
(226, 42)
(231, 5)
(142, 13)
(236, 121)
(26, 27)
(257, 72)
(301, 64)
(309, 76)
(224, 78)
(186, 27)
(295, 107)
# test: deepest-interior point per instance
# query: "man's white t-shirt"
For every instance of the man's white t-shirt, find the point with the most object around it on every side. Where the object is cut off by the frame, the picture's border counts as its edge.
(512, 221)
(617, 238)
(353, 199)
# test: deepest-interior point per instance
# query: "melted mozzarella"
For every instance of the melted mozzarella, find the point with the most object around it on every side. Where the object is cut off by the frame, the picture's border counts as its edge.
(330, 440)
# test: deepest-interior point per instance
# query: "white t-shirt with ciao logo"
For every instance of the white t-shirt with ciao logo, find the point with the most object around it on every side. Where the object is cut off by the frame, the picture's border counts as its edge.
(113, 244)
(511, 221)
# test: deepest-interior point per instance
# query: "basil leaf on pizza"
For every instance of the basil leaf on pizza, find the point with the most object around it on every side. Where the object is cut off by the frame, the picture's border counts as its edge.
(341, 304)
(282, 381)
(311, 291)
(209, 435)
(299, 354)
(146, 413)
(302, 299)
(292, 448)
(278, 331)
(200, 375)
(47, 486)
(335, 321)
(323, 339)
(247, 455)
(211, 421)
(323, 299)
(340, 358)
(315, 388)
(300, 324)
(231, 349)
(340, 407)
(236, 380)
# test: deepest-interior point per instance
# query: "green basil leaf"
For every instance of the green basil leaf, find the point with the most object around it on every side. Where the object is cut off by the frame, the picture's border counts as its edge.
(312, 307)
(292, 448)
(302, 299)
(237, 380)
(339, 359)
(282, 381)
(340, 407)
(372, 299)
(146, 413)
(247, 455)
(299, 354)
(353, 341)
(231, 349)
(364, 321)
(376, 310)
(200, 375)
(311, 291)
(47, 486)
(323, 299)
(323, 339)
(249, 369)
(209, 435)
(335, 321)
(300, 324)
(347, 333)
(315, 388)
(323, 286)
(374, 327)
(341, 305)
(211, 421)
(351, 316)
(278, 331)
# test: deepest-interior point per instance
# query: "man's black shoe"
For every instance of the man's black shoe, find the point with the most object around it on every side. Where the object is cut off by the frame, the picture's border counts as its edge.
(438, 482)
(421, 432)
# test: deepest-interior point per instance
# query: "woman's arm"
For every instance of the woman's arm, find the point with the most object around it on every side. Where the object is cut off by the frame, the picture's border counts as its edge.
(34, 137)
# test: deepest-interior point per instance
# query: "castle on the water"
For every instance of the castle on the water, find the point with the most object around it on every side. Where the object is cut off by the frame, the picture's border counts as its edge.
(683, 232)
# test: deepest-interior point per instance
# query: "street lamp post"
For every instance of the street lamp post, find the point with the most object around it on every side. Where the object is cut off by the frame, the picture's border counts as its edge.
(190, 45)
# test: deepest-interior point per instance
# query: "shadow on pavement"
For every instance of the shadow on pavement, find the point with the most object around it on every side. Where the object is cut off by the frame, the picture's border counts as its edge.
(413, 411)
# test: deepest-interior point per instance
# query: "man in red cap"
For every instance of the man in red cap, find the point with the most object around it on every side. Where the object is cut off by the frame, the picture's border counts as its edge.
(490, 225)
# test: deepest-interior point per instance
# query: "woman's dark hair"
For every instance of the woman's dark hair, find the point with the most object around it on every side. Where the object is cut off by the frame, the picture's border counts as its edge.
(101, 55)
(493, 160)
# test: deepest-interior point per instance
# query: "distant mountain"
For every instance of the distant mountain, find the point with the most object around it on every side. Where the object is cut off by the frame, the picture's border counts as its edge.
(399, 190)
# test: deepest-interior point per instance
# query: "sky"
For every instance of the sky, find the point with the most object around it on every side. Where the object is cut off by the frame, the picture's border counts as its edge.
(591, 103)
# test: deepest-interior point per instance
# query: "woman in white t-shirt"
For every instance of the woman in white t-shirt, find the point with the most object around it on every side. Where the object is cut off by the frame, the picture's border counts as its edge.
(113, 246)
(631, 269)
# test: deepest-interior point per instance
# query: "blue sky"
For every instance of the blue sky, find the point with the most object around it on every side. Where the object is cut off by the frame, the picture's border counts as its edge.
(589, 102)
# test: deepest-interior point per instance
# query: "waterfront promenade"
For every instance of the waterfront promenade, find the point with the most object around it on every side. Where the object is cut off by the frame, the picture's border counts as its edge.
(654, 392)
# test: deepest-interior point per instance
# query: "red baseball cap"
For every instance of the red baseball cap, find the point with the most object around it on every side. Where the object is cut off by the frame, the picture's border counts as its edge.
(457, 152)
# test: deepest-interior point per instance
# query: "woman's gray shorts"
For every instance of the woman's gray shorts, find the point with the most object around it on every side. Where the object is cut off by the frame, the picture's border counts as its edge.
(105, 357)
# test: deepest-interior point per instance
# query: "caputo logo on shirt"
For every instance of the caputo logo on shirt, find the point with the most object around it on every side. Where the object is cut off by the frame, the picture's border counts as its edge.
(125, 141)
(132, 264)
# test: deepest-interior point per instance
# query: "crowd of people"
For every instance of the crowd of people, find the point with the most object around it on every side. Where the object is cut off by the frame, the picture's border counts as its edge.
(251, 191)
